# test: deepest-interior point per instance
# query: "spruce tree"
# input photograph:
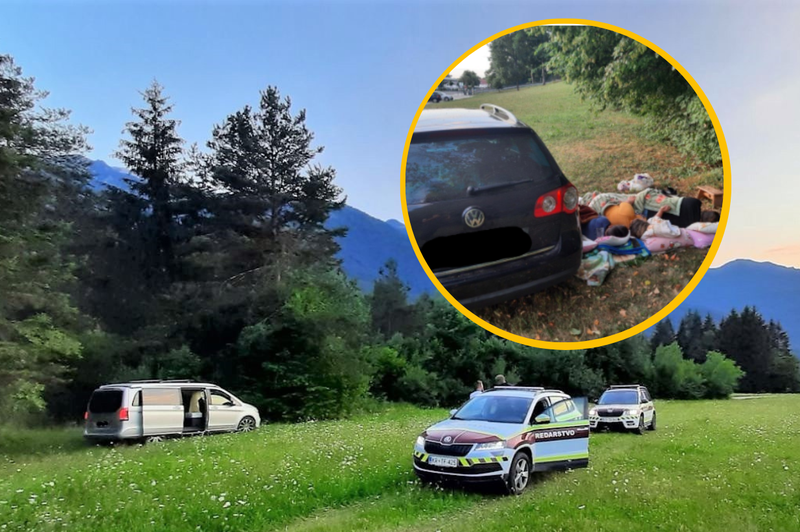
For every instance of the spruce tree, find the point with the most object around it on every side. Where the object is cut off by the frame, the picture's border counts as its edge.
(154, 153)
(690, 337)
(39, 175)
(389, 307)
(663, 334)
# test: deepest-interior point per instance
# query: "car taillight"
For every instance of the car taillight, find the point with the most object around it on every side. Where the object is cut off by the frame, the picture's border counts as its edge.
(86, 415)
(563, 199)
(123, 414)
(570, 199)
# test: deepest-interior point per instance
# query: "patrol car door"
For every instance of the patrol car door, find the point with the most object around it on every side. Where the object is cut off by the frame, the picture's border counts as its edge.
(647, 406)
(561, 435)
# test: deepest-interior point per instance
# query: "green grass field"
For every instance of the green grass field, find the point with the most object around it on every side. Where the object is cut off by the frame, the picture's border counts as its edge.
(711, 466)
(596, 150)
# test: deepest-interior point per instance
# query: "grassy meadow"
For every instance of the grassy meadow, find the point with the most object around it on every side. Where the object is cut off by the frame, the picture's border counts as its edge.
(596, 150)
(711, 466)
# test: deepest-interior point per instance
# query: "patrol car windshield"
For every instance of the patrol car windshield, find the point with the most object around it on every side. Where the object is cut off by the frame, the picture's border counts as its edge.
(619, 397)
(495, 408)
(443, 168)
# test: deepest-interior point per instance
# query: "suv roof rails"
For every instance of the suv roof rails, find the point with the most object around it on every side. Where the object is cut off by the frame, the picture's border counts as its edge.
(498, 112)
(613, 386)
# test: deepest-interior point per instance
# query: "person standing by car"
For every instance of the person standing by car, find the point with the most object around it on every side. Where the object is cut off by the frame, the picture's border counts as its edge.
(478, 389)
(500, 380)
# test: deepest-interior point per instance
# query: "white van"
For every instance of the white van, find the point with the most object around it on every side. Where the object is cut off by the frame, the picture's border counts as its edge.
(156, 409)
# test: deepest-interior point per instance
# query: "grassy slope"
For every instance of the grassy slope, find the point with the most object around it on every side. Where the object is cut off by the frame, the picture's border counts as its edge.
(712, 466)
(596, 151)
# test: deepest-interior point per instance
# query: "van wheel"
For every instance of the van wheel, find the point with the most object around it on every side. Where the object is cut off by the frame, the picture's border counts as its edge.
(154, 439)
(247, 424)
(520, 474)
(652, 422)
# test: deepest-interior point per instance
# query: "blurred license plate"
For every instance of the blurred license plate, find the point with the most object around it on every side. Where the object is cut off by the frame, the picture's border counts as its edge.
(442, 461)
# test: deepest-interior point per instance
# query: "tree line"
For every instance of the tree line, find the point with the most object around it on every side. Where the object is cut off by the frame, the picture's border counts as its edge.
(612, 71)
(215, 264)
(760, 348)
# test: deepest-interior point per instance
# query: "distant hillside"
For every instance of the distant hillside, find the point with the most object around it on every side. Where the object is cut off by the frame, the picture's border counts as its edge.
(774, 290)
(397, 225)
(366, 248)
(108, 176)
(370, 243)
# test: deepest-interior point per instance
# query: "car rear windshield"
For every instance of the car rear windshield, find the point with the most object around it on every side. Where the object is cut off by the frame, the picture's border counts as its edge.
(494, 408)
(443, 168)
(105, 401)
(620, 397)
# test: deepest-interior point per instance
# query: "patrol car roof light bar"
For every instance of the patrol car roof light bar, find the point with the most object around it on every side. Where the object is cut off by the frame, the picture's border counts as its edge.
(525, 388)
(156, 381)
(625, 386)
(503, 114)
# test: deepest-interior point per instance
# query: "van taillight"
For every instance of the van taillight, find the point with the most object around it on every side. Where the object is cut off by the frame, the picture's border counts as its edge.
(563, 199)
(123, 414)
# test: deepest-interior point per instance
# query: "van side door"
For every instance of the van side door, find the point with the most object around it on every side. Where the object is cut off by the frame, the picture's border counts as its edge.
(162, 411)
(223, 411)
(561, 435)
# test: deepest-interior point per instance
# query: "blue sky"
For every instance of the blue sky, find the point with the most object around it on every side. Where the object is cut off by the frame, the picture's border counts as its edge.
(361, 70)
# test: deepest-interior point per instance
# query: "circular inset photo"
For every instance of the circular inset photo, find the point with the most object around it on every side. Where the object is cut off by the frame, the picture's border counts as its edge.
(565, 184)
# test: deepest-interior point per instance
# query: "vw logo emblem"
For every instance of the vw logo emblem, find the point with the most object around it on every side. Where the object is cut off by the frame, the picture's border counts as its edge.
(447, 439)
(474, 217)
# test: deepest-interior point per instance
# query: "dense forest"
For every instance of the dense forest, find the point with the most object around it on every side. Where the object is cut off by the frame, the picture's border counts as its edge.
(214, 263)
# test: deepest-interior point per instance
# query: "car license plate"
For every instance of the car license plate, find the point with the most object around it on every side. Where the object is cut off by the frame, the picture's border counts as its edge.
(443, 461)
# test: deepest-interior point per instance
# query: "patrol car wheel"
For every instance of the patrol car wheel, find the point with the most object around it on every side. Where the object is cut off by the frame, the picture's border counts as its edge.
(247, 424)
(653, 422)
(520, 474)
(640, 428)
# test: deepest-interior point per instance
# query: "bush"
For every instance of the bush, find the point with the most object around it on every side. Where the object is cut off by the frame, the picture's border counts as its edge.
(721, 375)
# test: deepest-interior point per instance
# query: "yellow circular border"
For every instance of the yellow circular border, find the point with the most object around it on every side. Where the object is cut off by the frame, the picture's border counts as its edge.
(652, 320)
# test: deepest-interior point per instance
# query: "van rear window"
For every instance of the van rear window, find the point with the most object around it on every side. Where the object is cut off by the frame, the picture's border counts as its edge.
(105, 401)
(442, 168)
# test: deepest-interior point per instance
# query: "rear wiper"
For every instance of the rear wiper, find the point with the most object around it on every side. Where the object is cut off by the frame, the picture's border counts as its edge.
(471, 191)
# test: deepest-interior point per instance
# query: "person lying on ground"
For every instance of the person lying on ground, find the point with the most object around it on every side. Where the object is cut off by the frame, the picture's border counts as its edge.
(622, 209)
(659, 234)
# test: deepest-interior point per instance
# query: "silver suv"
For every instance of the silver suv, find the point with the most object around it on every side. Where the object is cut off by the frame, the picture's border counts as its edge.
(625, 406)
(156, 409)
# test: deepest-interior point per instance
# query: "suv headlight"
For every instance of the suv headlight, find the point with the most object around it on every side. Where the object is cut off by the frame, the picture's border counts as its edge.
(492, 446)
(420, 441)
(592, 412)
(631, 412)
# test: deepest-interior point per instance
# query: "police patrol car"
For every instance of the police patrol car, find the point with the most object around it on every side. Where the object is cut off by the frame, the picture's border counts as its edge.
(505, 434)
(627, 406)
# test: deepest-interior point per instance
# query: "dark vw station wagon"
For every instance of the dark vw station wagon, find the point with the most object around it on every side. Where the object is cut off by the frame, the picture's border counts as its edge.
(493, 215)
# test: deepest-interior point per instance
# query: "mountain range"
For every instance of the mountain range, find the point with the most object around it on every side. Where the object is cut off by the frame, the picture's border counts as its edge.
(772, 289)
(369, 242)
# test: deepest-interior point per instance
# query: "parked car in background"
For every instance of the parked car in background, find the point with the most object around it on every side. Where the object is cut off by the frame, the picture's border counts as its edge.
(446, 97)
(435, 97)
(152, 410)
(493, 214)
(624, 406)
(504, 435)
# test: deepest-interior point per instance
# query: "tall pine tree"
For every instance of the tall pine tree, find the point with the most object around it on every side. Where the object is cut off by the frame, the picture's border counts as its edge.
(270, 195)
(663, 334)
(690, 337)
